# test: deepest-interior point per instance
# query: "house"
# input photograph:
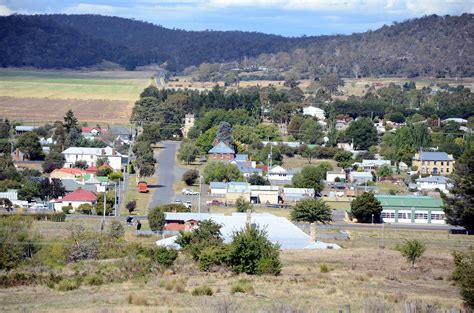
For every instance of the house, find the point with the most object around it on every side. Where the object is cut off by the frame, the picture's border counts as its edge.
(277, 175)
(264, 194)
(291, 144)
(91, 155)
(67, 173)
(341, 125)
(72, 184)
(235, 190)
(434, 182)
(246, 166)
(218, 189)
(279, 230)
(332, 176)
(411, 209)
(10, 194)
(370, 165)
(92, 132)
(221, 152)
(293, 195)
(456, 120)
(315, 112)
(75, 199)
(360, 178)
(435, 163)
(188, 124)
(21, 129)
(402, 166)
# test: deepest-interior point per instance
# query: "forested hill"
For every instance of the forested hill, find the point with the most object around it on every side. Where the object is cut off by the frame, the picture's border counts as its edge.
(427, 46)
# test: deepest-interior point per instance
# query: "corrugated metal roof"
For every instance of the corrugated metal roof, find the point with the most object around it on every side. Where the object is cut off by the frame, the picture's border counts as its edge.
(434, 179)
(218, 185)
(389, 201)
(221, 148)
(435, 156)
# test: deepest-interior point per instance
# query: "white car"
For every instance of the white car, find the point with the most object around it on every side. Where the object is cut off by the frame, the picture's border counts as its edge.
(188, 204)
(189, 192)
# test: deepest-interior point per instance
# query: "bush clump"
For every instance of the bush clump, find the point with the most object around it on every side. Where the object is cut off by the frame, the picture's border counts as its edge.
(85, 208)
(202, 291)
(323, 268)
(190, 177)
(243, 286)
(161, 255)
(116, 229)
(251, 252)
(68, 284)
(67, 209)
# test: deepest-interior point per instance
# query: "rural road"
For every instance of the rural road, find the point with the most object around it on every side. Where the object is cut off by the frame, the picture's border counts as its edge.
(167, 172)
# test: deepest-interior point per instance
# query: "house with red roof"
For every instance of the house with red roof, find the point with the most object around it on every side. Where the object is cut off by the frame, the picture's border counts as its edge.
(67, 173)
(92, 131)
(75, 199)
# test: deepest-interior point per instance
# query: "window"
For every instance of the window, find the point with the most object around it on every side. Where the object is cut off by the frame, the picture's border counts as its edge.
(388, 215)
(441, 170)
(423, 163)
(442, 163)
(404, 216)
(447, 163)
(421, 216)
(437, 217)
(447, 170)
(435, 162)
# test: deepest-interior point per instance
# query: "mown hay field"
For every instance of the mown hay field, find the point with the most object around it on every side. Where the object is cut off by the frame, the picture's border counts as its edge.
(47, 95)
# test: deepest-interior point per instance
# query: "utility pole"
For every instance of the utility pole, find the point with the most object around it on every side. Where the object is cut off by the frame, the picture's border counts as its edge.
(103, 217)
(199, 194)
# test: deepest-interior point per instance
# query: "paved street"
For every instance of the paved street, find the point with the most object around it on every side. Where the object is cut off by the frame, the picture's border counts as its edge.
(167, 172)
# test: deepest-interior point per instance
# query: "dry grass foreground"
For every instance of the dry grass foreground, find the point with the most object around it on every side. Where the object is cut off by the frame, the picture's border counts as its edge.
(370, 280)
(104, 97)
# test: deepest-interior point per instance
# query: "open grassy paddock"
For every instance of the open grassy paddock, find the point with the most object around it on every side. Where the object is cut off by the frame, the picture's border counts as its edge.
(105, 97)
(362, 274)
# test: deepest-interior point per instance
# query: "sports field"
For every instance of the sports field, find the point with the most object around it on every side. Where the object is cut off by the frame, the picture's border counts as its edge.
(47, 95)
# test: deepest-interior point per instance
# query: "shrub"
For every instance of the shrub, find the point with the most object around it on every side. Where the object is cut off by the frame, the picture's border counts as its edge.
(93, 279)
(365, 206)
(83, 249)
(190, 177)
(67, 209)
(17, 243)
(156, 219)
(463, 274)
(251, 252)
(242, 205)
(237, 288)
(161, 255)
(85, 208)
(58, 217)
(116, 176)
(213, 256)
(323, 268)
(243, 286)
(202, 291)
(68, 284)
(137, 299)
(116, 229)
(131, 206)
(412, 250)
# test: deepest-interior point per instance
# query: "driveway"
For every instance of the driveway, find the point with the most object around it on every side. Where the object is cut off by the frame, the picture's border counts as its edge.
(167, 172)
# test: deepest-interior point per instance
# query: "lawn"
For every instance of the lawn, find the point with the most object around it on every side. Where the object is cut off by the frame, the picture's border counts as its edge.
(227, 210)
(299, 162)
(142, 198)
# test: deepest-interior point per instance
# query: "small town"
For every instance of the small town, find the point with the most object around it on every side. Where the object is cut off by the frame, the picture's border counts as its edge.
(263, 181)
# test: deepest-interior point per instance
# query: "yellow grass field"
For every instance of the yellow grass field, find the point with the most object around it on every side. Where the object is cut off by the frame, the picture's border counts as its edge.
(105, 97)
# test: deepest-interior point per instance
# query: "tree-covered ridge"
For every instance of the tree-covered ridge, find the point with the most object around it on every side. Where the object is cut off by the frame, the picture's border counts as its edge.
(429, 46)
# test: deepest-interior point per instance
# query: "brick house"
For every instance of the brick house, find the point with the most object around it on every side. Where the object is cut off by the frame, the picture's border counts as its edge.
(221, 152)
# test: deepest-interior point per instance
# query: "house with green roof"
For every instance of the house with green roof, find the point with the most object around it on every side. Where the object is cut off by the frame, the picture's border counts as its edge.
(411, 209)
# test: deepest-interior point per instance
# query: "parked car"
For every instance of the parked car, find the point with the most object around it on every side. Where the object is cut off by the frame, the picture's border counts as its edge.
(188, 204)
(215, 202)
(189, 192)
(177, 201)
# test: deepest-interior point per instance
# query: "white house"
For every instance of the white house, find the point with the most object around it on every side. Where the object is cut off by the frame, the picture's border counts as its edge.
(218, 189)
(402, 166)
(369, 165)
(315, 112)
(360, 177)
(75, 199)
(434, 182)
(277, 175)
(91, 155)
(332, 175)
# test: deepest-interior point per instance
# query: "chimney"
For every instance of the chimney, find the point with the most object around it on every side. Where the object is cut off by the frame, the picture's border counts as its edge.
(248, 217)
(312, 232)
(17, 154)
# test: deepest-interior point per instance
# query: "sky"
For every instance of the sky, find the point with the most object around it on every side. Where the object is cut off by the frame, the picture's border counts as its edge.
(288, 18)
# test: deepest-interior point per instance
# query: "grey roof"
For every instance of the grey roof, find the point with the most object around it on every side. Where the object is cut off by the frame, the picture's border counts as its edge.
(361, 174)
(375, 162)
(72, 185)
(434, 156)
(434, 179)
(188, 216)
(218, 185)
(221, 148)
